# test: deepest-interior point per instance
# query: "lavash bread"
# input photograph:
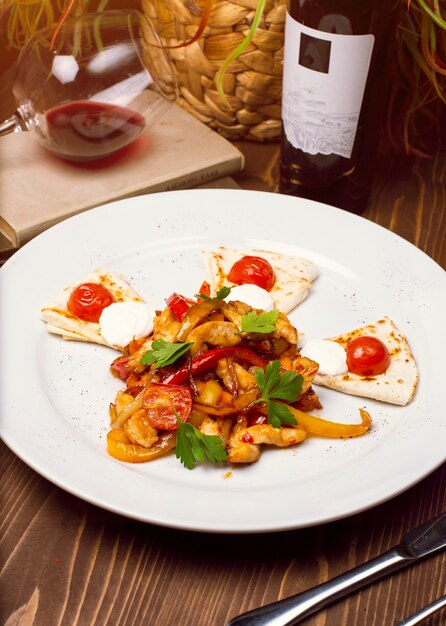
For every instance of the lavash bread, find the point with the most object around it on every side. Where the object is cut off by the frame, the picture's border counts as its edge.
(293, 274)
(60, 322)
(396, 385)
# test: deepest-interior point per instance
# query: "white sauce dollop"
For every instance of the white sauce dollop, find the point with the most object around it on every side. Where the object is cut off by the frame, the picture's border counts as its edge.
(123, 321)
(253, 295)
(332, 357)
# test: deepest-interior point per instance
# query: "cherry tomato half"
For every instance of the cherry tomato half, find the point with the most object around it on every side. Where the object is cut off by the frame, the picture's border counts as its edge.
(87, 301)
(160, 402)
(179, 305)
(252, 270)
(367, 356)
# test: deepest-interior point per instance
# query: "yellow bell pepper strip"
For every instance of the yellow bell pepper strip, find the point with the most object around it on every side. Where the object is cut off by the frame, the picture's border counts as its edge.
(119, 447)
(243, 401)
(324, 428)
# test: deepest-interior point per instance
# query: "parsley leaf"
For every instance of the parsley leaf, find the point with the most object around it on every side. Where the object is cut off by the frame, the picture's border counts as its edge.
(221, 294)
(275, 385)
(264, 322)
(164, 353)
(279, 414)
(193, 446)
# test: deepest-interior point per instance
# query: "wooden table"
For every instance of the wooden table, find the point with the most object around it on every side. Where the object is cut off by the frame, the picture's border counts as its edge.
(68, 563)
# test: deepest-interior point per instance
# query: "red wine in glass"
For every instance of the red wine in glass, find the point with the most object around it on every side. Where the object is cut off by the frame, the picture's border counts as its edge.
(85, 130)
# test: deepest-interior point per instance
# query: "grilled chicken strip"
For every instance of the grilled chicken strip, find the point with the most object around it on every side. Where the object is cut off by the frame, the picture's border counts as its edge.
(139, 430)
(233, 311)
(234, 376)
(307, 368)
(221, 334)
(195, 316)
(285, 329)
(134, 362)
(166, 326)
(244, 444)
(238, 451)
(218, 427)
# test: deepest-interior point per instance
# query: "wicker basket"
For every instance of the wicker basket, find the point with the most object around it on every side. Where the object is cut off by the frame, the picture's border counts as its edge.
(252, 83)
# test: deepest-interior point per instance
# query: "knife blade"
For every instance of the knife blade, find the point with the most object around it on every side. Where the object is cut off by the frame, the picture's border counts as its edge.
(416, 544)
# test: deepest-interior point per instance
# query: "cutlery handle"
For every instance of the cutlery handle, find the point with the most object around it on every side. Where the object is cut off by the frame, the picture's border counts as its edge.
(424, 613)
(292, 610)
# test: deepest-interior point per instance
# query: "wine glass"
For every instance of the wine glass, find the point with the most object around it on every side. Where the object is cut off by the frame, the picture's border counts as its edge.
(90, 88)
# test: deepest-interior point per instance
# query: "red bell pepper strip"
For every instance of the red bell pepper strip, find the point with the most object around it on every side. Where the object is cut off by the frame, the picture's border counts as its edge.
(119, 368)
(179, 305)
(205, 290)
(209, 359)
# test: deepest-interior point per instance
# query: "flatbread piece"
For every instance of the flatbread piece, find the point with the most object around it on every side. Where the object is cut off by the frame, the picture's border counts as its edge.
(396, 385)
(60, 322)
(293, 274)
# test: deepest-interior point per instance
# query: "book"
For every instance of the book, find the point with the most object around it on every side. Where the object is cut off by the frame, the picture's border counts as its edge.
(7, 248)
(38, 189)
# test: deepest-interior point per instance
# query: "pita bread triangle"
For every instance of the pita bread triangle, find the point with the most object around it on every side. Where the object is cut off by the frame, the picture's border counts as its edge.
(293, 274)
(396, 385)
(60, 321)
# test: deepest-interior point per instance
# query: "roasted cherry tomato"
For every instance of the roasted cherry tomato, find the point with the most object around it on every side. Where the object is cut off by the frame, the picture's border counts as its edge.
(179, 305)
(252, 270)
(87, 301)
(367, 356)
(160, 402)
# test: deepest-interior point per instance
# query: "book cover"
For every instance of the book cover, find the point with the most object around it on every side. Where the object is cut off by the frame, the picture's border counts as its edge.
(38, 189)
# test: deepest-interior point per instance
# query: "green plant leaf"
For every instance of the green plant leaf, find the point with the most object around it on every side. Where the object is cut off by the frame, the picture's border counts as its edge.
(264, 322)
(164, 353)
(194, 447)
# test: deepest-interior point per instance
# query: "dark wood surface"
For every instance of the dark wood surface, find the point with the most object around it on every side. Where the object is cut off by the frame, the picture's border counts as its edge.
(68, 563)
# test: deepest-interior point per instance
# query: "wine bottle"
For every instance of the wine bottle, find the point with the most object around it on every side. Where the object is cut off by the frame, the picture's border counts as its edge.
(334, 96)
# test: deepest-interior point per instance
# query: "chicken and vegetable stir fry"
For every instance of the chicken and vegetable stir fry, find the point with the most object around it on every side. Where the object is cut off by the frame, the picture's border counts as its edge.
(216, 380)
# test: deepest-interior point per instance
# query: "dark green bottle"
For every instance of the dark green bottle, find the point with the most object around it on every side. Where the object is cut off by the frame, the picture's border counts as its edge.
(335, 88)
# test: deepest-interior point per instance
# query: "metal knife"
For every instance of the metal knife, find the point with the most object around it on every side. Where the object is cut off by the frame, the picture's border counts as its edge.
(424, 613)
(416, 544)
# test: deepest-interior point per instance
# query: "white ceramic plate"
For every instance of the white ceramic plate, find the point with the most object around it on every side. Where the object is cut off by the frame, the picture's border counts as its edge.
(55, 394)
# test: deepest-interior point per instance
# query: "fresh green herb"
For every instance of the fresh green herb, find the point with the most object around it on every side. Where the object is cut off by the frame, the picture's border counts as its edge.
(164, 353)
(264, 322)
(279, 414)
(221, 294)
(194, 447)
(275, 385)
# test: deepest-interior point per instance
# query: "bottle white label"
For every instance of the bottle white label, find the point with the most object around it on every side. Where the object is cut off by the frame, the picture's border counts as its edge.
(324, 78)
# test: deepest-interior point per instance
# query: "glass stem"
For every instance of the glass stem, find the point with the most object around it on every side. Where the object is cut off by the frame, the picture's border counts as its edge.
(12, 125)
